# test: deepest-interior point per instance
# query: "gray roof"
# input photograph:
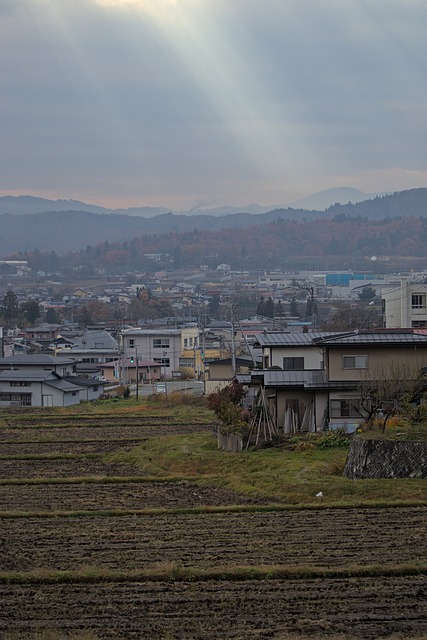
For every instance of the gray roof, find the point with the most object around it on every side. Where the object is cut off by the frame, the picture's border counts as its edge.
(37, 359)
(299, 339)
(84, 382)
(63, 385)
(375, 338)
(47, 377)
(25, 376)
(155, 332)
(97, 340)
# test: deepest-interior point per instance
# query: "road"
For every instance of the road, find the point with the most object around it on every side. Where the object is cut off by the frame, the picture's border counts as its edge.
(183, 386)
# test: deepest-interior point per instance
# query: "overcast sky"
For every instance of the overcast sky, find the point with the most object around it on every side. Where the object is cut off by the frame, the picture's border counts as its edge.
(178, 103)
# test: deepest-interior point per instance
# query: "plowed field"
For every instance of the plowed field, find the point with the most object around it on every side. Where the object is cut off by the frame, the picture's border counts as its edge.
(208, 540)
(358, 607)
(45, 536)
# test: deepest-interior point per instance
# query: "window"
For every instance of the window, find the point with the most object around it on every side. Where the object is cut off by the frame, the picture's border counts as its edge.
(418, 323)
(293, 364)
(185, 343)
(164, 362)
(419, 301)
(95, 387)
(131, 343)
(161, 343)
(355, 362)
(23, 399)
(345, 409)
(20, 383)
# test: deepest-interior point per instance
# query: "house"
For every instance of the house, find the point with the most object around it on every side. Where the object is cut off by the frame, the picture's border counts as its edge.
(43, 381)
(127, 371)
(316, 386)
(166, 347)
(291, 351)
(219, 373)
(405, 306)
(91, 347)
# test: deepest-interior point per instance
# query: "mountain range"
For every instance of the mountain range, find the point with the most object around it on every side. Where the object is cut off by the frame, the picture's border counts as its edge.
(23, 205)
(70, 228)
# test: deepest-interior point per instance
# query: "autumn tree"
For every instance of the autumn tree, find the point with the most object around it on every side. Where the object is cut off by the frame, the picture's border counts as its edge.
(389, 390)
(347, 317)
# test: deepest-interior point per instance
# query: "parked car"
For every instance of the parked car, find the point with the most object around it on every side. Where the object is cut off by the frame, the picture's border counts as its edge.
(161, 387)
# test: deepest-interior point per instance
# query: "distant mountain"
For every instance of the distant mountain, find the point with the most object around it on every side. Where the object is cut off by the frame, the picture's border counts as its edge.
(323, 199)
(71, 230)
(21, 205)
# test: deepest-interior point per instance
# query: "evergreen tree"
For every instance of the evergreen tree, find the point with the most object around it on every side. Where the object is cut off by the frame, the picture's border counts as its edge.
(293, 310)
(30, 311)
(279, 309)
(214, 309)
(51, 316)
(9, 309)
(261, 308)
(269, 308)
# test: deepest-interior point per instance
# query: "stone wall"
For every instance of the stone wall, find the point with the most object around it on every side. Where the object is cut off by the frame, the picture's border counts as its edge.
(386, 459)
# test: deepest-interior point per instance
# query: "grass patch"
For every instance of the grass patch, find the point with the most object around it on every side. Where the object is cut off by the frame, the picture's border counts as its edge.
(172, 572)
(52, 456)
(191, 511)
(289, 477)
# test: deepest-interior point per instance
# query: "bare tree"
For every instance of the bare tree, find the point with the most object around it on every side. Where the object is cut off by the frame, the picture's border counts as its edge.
(389, 390)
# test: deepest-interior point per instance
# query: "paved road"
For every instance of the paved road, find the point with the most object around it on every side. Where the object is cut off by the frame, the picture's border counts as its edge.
(183, 386)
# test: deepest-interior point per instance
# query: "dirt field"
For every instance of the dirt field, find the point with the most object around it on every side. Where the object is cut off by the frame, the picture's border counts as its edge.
(120, 495)
(364, 607)
(368, 536)
(204, 609)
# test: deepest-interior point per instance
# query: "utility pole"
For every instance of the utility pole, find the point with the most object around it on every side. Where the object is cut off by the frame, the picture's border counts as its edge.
(233, 344)
(137, 374)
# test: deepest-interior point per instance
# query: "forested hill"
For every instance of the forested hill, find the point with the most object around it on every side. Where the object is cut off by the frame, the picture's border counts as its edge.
(72, 230)
(282, 244)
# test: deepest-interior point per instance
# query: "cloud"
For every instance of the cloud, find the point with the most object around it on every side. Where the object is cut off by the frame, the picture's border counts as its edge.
(210, 99)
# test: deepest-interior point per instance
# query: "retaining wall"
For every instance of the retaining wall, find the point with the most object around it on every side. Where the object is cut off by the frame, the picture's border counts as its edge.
(386, 459)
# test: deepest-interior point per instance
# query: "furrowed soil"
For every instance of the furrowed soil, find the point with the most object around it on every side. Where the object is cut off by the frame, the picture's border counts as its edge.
(132, 523)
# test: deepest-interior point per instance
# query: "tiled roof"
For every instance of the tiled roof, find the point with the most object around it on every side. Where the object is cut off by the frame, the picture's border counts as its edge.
(290, 339)
(380, 338)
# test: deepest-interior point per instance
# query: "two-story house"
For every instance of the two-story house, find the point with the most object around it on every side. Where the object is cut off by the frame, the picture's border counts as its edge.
(43, 381)
(166, 347)
(326, 394)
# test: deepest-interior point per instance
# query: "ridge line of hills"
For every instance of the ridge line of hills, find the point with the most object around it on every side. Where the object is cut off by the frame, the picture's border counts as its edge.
(63, 231)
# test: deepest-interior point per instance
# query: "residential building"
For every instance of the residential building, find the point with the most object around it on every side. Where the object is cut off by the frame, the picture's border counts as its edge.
(405, 306)
(314, 385)
(166, 347)
(43, 381)
(92, 346)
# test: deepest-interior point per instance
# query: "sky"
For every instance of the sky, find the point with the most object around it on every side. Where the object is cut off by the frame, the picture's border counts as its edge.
(196, 103)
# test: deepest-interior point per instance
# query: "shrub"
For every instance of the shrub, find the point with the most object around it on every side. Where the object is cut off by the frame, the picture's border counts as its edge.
(226, 405)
